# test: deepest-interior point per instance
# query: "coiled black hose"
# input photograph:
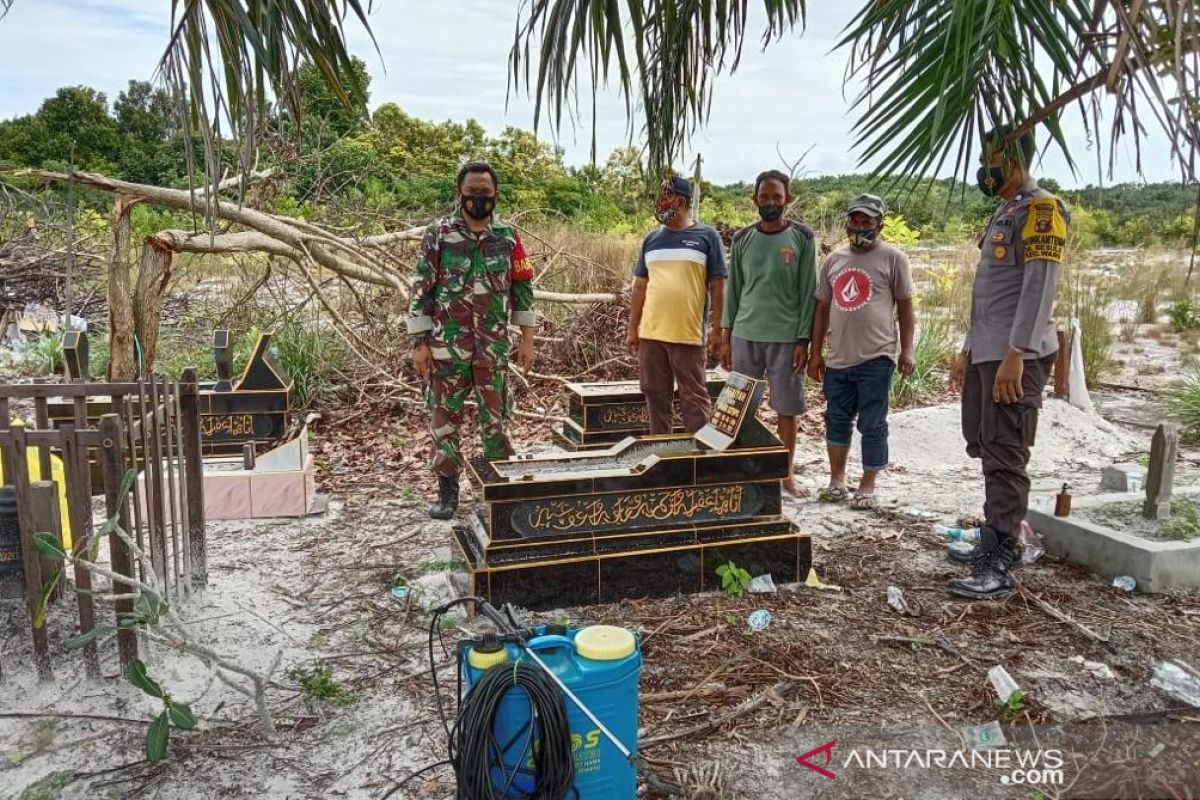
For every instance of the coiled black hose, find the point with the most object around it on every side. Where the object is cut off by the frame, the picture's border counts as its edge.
(474, 751)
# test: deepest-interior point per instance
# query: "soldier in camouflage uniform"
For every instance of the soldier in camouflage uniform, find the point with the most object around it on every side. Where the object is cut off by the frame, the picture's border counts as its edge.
(473, 279)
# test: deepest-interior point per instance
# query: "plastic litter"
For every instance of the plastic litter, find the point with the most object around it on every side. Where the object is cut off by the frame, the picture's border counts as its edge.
(1097, 668)
(813, 581)
(961, 534)
(762, 584)
(961, 548)
(896, 599)
(1030, 542)
(759, 619)
(984, 737)
(1177, 680)
(1002, 682)
(1124, 583)
(400, 592)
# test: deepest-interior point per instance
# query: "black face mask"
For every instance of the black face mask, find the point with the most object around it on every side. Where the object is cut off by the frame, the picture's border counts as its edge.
(770, 213)
(990, 179)
(479, 206)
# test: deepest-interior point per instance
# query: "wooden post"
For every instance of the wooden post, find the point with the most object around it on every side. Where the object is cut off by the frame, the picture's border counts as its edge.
(79, 512)
(19, 476)
(152, 430)
(1062, 367)
(47, 519)
(41, 418)
(112, 461)
(193, 467)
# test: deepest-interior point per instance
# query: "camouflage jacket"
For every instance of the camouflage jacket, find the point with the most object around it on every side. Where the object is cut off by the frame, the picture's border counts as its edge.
(469, 287)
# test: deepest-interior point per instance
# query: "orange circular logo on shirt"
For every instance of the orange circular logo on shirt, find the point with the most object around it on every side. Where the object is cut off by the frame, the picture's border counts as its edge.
(851, 290)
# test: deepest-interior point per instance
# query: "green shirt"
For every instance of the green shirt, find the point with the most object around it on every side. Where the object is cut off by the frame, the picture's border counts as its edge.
(771, 293)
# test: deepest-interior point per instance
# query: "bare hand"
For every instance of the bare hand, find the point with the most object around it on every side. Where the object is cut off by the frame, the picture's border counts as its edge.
(422, 358)
(716, 343)
(727, 349)
(958, 372)
(632, 342)
(816, 367)
(907, 363)
(525, 354)
(1007, 388)
(800, 358)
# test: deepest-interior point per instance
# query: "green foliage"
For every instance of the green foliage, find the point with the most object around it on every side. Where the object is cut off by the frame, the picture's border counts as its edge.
(1088, 301)
(45, 351)
(308, 352)
(934, 348)
(1184, 524)
(896, 231)
(734, 580)
(1181, 401)
(318, 682)
(1184, 316)
(1014, 705)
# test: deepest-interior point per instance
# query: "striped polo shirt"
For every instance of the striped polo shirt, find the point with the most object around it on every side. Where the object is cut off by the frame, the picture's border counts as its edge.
(679, 265)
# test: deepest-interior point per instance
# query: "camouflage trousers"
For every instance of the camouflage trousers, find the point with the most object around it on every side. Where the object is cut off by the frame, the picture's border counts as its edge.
(450, 384)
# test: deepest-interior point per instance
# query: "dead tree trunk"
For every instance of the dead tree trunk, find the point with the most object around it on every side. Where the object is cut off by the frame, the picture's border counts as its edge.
(154, 273)
(122, 363)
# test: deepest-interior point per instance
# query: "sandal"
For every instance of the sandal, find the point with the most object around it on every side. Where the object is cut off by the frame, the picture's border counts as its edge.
(833, 494)
(864, 501)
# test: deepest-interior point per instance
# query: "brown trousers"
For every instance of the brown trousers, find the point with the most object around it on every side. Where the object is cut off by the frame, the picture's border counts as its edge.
(663, 366)
(1001, 436)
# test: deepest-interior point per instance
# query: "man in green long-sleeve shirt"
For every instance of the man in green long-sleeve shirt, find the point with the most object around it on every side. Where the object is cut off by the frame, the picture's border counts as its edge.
(769, 304)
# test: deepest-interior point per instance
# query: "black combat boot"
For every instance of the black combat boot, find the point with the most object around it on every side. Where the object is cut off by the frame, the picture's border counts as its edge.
(989, 571)
(447, 502)
(978, 551)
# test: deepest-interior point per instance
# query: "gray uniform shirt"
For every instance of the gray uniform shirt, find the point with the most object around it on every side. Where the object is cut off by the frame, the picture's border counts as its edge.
(1012, 300)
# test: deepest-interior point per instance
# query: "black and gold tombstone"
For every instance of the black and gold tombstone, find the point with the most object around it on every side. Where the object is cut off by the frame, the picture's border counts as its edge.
(602, 414)
(254, 408)
(649, 516)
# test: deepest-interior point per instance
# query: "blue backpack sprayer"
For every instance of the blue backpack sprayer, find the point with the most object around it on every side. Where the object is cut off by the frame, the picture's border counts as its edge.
(550, 711)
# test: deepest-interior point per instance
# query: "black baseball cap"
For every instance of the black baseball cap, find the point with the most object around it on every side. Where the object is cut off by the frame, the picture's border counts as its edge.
(867, 204)
(679, 186)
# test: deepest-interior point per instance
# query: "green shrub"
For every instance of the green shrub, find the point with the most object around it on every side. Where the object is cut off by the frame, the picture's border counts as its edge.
(1181, 401)
(1184, 316)
(933, 350)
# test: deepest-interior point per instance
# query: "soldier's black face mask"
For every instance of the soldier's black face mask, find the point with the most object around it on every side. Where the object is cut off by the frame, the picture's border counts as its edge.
(770, 213)
(479, 206)
(990, 179)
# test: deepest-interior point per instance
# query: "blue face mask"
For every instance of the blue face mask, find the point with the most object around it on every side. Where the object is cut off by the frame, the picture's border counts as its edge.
(861, 237)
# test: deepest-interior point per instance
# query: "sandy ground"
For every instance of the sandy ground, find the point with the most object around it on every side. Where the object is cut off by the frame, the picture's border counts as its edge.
(318, 589)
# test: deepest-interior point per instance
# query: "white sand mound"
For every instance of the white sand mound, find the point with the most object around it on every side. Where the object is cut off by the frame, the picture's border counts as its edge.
(1069, 441)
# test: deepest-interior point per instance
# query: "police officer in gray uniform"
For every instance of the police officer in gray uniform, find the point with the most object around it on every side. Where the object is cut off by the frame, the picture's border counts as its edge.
(1009, 350)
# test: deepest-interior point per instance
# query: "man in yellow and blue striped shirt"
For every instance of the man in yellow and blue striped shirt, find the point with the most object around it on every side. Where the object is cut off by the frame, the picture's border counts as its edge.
(679, 285)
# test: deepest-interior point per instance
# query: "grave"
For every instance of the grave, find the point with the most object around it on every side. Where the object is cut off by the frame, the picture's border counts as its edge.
(253, 409)
(1131, 533)
(648, 516)
(602, 414)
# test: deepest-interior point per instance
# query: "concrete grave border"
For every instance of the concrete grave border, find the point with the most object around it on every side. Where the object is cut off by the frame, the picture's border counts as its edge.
(1156, 565)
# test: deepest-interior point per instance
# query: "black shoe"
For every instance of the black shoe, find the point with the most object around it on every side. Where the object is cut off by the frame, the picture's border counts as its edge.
(447, 502)
(989, 572)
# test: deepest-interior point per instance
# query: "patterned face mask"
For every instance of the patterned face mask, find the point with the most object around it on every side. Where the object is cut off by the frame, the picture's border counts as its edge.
(479, 206)
(861, 237)
(663, 211)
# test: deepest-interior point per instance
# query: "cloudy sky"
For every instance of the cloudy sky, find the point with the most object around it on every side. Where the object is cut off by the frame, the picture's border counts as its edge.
(448, 60)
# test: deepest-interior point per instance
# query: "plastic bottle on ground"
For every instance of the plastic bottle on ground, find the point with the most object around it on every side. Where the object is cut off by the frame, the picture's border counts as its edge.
(961, 534)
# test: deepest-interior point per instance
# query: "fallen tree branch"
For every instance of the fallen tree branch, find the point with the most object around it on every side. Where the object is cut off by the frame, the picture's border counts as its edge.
(779, 691)
(1062, 617)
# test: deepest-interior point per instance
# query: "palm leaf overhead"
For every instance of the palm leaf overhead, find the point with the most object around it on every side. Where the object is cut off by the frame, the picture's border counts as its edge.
(934, 72)
(664, 54)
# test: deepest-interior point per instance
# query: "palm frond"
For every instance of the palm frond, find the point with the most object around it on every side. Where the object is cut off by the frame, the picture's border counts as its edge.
(664, 55)
(938, 72)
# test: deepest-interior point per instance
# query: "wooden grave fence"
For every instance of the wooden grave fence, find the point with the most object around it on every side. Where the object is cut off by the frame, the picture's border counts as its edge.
(151, 426)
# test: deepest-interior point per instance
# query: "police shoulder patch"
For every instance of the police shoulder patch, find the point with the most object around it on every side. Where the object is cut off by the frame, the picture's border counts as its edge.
(1044, 234)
